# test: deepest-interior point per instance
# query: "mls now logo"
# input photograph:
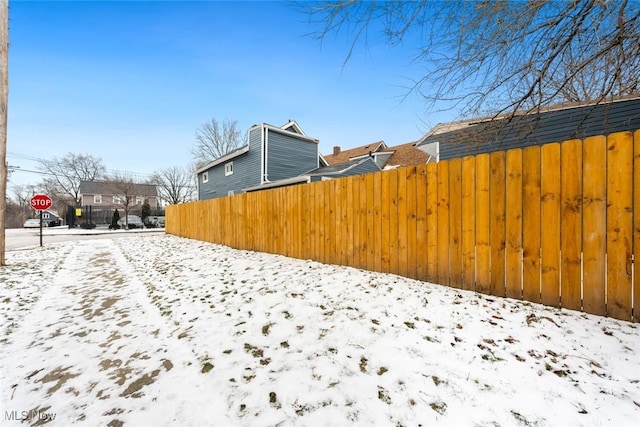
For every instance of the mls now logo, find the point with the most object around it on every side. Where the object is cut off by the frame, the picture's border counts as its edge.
(22, 416)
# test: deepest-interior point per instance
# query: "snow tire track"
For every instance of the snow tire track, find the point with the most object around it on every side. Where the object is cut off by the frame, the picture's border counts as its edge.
(116, 344)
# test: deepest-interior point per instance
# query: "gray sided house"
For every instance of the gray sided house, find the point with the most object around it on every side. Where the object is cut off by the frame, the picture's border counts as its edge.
(556, 124)
(271, 154)
(103, 194)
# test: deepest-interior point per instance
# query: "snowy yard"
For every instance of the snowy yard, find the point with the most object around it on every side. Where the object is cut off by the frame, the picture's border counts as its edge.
(163, 331)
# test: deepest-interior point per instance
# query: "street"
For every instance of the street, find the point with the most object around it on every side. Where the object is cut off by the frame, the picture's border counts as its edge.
(22, 238)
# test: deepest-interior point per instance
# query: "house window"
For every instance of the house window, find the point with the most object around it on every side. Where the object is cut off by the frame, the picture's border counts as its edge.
(205, 177)
(117, 200)
(139, 200)
(230, 193)
(97, 199)
(228, 169)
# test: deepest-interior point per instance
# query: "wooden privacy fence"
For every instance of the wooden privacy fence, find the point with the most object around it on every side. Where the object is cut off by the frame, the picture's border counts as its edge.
(555, 224)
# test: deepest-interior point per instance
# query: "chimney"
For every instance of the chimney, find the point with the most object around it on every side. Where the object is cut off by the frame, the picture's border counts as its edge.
(336, 150)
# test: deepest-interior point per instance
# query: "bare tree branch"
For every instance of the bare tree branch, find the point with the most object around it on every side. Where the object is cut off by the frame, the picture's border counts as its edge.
(175, 185)
(214, 141)
(67, 173)
(499, 58)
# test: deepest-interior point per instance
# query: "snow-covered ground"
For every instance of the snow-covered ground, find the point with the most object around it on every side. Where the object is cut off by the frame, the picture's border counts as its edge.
(156, 330)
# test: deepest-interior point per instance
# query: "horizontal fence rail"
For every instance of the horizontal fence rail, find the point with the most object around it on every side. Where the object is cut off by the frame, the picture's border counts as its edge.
(557, 224)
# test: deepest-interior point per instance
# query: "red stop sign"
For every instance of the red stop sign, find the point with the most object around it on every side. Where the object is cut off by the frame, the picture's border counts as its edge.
(41, 202)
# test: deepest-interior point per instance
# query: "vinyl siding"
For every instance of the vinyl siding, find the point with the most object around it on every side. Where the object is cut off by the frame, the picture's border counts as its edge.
(289, 156)
(286, 156)
(246, 172)
(550, 126)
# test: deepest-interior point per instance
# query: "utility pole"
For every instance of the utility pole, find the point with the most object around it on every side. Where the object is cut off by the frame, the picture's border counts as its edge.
(4, 100)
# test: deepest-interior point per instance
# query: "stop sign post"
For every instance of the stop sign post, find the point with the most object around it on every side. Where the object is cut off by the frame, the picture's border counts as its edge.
(41, 202)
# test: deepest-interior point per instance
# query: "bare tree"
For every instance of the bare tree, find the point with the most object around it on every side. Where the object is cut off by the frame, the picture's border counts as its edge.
(19, 205)
(501, 57)
(124, 188)
(67, 173)
(214, 141)
(175, 184)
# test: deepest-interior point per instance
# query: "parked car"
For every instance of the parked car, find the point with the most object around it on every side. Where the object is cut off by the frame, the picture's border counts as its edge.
(154, 222)
(52, 222)
(134, 221)
(33, 223)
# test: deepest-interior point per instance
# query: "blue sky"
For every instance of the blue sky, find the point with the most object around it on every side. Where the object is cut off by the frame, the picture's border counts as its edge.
(130, 82)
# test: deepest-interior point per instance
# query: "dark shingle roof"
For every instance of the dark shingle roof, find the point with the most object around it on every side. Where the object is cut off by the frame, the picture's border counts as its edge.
(406, 155)
(344, 156)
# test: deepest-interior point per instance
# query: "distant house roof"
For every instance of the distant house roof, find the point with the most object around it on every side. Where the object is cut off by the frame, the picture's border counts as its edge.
(293, 126)
(106, 187)
(339, 156)
(556, 124)
(400, 155)
(230, 155)
(405, 155)
(337, 169)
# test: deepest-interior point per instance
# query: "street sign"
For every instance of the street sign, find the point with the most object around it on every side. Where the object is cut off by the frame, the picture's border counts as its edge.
(41, 202)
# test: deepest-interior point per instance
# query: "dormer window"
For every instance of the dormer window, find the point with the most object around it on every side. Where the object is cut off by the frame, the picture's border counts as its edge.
(228, 169)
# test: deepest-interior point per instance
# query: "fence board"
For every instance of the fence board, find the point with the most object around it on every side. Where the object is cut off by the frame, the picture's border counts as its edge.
(348, 219)
(619, 224)
(531, 224)
(455, 223)
(385, 244)
(238, 231)
(513, 224)
(345, 190)
(483, 235)
(571, 224)
(319, 191)
(334, 255)
(422, 250)
(301, 223)
(443, 223)
(362, 222)
(402, 222)
(340, 230)
(370, 253)
(594, 219)
(432, 222)
(290, 222)
(550, 232)
(224, 221)
(497, 222)
(308, 233)
(393, 221)
(411, 220)
(636, 227)
(468, 223)
(355, 222)
(377, 222)
(270, 231)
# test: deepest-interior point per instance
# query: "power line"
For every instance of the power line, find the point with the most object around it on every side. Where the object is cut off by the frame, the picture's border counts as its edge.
(40, 160)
